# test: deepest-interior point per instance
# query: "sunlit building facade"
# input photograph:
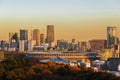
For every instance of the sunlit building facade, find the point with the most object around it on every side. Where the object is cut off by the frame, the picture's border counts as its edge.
(50, 34)
(36, 36)
(10, 36)
(111, 36)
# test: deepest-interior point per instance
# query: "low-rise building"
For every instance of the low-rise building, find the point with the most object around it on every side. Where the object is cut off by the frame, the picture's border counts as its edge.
(62, 44)
(72, 56)
(113, 64)
(106, 53)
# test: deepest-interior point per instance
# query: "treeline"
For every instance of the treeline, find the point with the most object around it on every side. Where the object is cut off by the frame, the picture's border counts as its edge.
(31, 69)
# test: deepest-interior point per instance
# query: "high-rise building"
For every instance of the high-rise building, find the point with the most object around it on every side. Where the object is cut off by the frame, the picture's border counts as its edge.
(36, 36)
(23, 34)
(26, 45)
(21, 46)
(10, 36)
(42, 40)
(16, 37)
(0, 42)
(62, 44)
(31, 44)
(78, 45)
(50, 34)
(98, 44)
(111, 36)
(14, 41)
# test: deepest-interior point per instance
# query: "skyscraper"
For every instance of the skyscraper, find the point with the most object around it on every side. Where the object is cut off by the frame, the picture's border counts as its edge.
(111, 36)
(23, 34)
(42, 40)
(36, 36)
(50, 34)
(21, 46)
(16, 37)
(31, 44)
(10, 36)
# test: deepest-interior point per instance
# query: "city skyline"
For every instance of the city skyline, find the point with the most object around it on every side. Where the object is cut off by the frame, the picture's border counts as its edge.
(71, 18)
(102, 35)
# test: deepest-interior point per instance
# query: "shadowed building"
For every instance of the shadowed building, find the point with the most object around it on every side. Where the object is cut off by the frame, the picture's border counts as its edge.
(50, 34)
(42, 40)
(113, 64)
(36, 36)
(14, 41)
(15, 37)
(62, 44)
(23, 34)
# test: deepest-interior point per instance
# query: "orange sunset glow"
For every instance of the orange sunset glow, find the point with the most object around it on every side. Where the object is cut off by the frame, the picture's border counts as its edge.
(83, 20)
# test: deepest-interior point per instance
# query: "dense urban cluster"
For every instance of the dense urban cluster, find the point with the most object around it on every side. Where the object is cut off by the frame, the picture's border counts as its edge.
(28, 56)
(35, 41)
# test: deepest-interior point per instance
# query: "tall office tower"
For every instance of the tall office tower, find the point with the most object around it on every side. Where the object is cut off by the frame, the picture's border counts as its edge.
(23, 34)
(42, 40)
(10, 36)
(16, 37)
(50, 34)
(36, 36)
(111, 36)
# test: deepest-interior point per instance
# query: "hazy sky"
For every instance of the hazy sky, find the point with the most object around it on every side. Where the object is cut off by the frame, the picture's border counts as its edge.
(80, 19)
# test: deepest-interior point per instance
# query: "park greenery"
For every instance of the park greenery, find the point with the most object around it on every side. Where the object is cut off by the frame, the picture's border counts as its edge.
(32, 69)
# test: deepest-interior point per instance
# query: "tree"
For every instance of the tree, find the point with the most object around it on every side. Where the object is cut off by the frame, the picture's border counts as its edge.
(30, 72)
(46, 72)
(15, 74)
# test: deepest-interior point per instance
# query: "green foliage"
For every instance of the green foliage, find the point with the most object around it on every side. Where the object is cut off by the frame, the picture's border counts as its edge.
(13, 63)
(38, 70)
(30, 69)
(15, 74)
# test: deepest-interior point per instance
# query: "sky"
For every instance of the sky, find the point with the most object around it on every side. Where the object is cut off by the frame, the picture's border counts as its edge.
(79, 19)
